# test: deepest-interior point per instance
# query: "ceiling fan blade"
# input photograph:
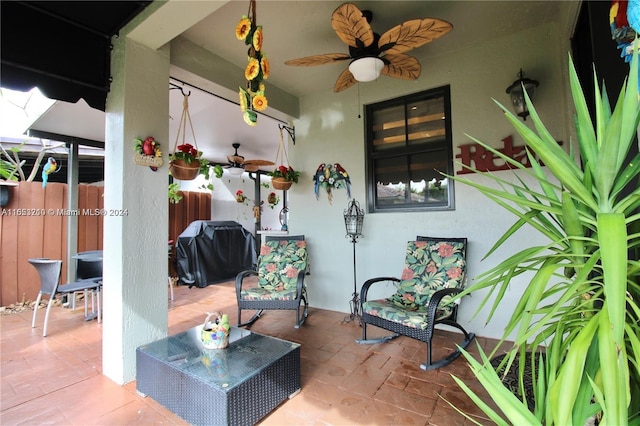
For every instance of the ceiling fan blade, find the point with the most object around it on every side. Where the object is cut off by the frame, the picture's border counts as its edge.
(401, 66)
(250, 168)
(259, 163)
(344, 81)
(350, 25)
(309, 61)
(412, 34)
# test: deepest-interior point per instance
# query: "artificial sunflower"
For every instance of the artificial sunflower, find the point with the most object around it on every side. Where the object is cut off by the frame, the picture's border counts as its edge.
(252, 70)
(260, 102)
(264, 64)
(243, 28)
(252, 97)
(257, 39)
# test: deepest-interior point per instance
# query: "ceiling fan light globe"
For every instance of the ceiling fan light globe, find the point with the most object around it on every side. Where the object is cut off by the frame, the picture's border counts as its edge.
(366, 69)
(235, 171)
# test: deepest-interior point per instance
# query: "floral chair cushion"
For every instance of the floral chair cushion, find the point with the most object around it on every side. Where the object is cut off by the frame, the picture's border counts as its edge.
(429, 266)
(278, 267)
(260, 293)
(410, 318)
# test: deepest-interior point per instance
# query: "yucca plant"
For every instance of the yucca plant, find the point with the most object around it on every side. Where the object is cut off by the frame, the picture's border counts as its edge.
(581, 303)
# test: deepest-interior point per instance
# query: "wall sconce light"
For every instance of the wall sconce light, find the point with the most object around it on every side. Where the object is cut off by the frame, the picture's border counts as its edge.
(353, 219)
(517, 94)
(366, 69)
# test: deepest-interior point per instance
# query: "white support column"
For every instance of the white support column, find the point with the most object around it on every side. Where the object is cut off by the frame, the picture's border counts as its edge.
(73, 173)
(135, 199)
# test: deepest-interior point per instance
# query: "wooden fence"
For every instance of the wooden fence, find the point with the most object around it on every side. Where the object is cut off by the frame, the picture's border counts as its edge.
(34, 224)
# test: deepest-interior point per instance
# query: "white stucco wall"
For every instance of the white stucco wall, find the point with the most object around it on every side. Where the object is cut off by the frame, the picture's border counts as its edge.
(330, 131)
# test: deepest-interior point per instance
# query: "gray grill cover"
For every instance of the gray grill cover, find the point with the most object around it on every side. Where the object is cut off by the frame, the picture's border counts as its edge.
(209, 252)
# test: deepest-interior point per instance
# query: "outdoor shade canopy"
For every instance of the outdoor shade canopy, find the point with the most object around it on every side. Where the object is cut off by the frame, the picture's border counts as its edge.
(61, 47)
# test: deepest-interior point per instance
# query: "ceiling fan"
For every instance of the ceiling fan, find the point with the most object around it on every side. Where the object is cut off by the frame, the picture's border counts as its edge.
(237, 163)
(372, 54)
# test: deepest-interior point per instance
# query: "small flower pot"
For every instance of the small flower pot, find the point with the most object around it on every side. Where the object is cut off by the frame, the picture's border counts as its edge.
(181, 170)
(281, 183)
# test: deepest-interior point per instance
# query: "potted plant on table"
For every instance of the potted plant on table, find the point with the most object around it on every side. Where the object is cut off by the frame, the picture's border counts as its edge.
(283, 177)
(582, 302)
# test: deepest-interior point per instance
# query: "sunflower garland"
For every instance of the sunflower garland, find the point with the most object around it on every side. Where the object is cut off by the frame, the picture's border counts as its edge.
(252, 98)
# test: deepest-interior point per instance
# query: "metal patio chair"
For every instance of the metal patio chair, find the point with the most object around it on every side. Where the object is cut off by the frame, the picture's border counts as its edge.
(435, 270)
(49, 271)
(282, 268)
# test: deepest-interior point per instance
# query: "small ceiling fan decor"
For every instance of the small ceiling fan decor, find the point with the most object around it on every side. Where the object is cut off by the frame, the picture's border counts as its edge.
(252, 98)
(372, 54)
(237, 163)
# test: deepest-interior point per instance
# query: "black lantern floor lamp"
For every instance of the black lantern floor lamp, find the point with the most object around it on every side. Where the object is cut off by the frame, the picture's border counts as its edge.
(353, 219)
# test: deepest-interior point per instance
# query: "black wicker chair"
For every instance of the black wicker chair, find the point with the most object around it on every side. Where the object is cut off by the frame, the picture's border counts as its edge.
(282, 268)
(435, 270)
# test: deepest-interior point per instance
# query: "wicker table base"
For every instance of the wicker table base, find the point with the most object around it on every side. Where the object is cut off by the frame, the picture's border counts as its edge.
(238, 385)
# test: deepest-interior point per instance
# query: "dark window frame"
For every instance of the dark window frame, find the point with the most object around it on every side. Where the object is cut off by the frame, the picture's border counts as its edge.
(407, 150)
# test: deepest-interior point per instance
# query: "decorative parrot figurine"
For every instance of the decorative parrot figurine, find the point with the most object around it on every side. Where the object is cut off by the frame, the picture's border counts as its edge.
(48, 168)
(330, 176)
(318, 178)
(343, 175)
(633, 14)
(624, 19)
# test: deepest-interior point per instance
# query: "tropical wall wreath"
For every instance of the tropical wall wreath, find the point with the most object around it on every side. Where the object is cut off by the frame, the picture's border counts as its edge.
(252, 98)
(331, 176)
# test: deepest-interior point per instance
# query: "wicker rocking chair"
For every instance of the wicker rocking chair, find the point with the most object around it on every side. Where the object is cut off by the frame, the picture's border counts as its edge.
(435, 270)
(282, 268)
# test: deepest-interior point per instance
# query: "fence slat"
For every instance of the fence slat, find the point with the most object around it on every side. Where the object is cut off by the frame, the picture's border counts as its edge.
(24, 237)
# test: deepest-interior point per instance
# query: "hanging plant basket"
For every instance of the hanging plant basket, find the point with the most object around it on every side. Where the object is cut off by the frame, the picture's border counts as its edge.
(184, 171)
(178, 166)
(281, 183)
(283, 176)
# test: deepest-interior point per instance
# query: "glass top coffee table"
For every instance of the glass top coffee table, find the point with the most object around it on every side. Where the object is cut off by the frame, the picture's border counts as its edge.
(237, 385)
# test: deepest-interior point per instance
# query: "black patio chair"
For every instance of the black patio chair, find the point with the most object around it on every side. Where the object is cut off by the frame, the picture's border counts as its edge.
(88, 267)
(435, 270)
(282, 268)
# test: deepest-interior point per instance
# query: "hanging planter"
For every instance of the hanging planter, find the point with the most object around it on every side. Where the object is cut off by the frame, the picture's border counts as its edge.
(281, 183)
(186, 162)
(182, 170)
(283, 176)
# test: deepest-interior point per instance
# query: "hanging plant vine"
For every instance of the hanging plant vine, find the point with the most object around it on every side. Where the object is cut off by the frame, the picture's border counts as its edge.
(252, 98)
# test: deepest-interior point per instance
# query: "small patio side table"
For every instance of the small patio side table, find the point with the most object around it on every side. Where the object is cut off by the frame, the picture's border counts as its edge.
(237, 385)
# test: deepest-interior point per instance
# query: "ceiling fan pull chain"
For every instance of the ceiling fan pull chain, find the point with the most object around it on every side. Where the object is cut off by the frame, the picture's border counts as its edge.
(358, 99)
